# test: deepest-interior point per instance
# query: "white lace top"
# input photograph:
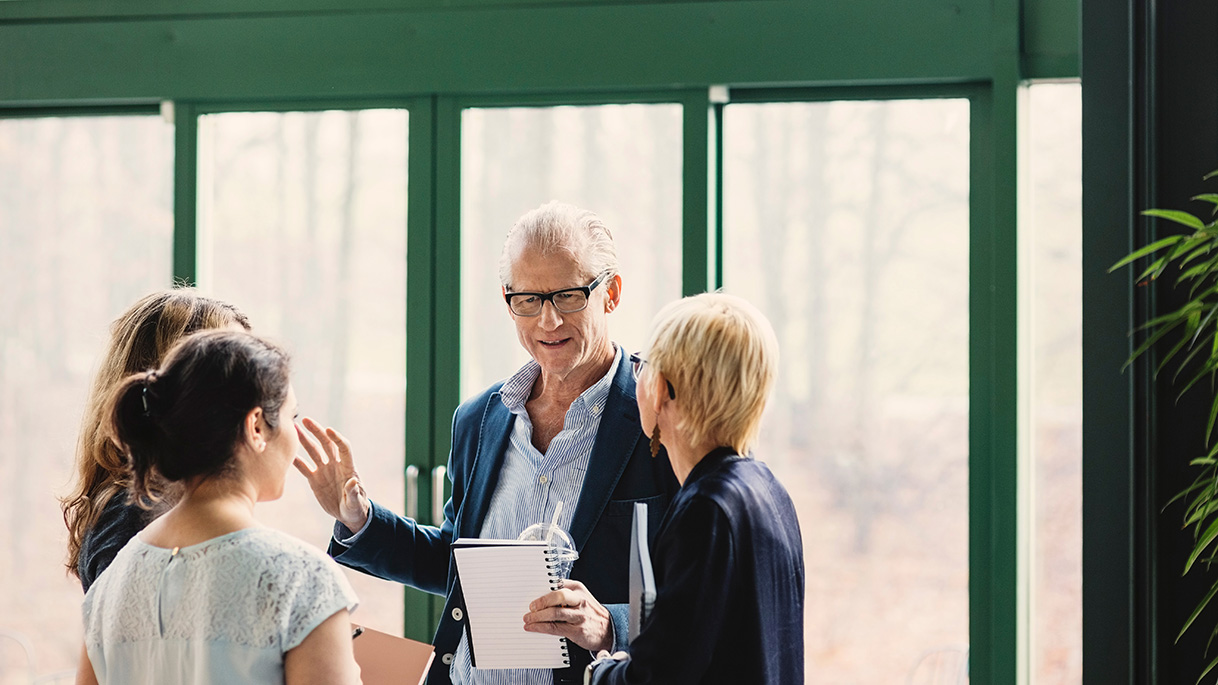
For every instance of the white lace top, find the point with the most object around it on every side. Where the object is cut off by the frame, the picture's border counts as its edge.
(222, 611)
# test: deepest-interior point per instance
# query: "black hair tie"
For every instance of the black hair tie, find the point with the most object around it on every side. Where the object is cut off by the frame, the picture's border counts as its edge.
(148, 380)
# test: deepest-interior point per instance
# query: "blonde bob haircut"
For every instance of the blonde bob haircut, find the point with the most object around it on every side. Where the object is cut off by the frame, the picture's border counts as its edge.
(721, 356)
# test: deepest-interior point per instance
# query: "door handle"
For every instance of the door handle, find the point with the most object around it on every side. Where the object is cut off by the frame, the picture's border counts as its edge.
(412, 492)
(438, 474)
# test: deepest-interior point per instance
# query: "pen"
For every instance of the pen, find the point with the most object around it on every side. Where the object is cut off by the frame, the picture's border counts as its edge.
(357, 631)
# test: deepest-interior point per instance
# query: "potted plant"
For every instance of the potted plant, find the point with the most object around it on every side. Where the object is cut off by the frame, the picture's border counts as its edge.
(1192, 330)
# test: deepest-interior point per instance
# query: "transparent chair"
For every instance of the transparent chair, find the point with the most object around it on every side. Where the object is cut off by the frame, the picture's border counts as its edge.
(947, 665)
(27, 663)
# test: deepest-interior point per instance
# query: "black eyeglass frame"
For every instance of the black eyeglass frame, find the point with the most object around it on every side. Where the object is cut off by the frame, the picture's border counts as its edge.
(549, 297)
(636, 367)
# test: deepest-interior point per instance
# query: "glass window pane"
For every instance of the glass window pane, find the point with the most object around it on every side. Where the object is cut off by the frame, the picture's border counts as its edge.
(303, 216)
(847, 223)
(86, 229)
(623, 162)
(1054, 201)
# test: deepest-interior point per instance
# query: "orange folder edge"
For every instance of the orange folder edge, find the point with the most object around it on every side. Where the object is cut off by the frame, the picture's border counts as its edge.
(386, 659)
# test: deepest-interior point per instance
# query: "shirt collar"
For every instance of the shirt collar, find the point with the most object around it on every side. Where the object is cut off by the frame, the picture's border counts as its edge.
(516, 390)
(710, 462)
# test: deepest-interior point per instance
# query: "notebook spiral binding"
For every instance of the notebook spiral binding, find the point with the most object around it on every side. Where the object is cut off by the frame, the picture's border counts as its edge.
(552, 564)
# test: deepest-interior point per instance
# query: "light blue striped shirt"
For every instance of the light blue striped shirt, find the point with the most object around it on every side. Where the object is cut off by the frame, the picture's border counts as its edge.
(531, 484)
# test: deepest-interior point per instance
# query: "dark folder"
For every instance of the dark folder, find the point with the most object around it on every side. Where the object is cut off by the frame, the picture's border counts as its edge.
(642, 579)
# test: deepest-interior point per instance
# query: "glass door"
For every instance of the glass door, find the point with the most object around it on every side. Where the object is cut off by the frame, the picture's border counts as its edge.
(302, 224)
(847, 223)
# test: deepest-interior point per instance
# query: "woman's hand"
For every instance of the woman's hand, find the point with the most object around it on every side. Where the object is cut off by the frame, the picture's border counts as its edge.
(331, 473)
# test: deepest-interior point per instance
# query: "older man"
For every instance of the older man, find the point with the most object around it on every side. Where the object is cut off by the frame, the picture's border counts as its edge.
(564, 428)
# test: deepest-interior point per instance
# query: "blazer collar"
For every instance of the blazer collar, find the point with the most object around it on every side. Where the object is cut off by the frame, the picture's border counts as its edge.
(616, 439)
(493, 436)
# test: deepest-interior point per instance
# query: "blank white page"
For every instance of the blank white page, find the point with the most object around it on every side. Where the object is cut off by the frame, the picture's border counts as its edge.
(499, 579)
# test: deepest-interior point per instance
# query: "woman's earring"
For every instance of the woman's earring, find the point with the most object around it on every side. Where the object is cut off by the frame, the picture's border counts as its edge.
(655, 442)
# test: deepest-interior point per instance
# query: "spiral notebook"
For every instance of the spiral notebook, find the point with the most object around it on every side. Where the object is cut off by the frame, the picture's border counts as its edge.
(499, 579)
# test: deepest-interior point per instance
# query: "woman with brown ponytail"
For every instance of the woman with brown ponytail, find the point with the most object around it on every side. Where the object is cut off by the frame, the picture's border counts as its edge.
(99, 517)
(205, 593)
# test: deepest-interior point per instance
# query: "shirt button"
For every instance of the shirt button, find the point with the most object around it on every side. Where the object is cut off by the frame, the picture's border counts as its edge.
(447, 659)
(544, 480)
(458, 614)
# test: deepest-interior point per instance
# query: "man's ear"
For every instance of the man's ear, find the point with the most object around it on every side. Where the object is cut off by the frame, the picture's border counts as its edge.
(613, 288)
(503, 294)
(255, 429)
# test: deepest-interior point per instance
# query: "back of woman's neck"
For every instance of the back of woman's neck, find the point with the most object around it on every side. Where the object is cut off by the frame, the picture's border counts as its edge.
(201, 515)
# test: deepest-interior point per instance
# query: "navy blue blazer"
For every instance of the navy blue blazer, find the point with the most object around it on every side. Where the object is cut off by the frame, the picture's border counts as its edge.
(621, 472)
(729, 572)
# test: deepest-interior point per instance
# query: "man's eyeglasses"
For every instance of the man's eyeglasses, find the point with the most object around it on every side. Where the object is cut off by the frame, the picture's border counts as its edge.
(567, 300)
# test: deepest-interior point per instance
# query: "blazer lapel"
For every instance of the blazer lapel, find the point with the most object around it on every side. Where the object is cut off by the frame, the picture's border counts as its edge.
(615, 440)
(492, 444)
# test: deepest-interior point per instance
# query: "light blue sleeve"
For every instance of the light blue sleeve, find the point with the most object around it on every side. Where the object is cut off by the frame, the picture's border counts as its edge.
(317, 592)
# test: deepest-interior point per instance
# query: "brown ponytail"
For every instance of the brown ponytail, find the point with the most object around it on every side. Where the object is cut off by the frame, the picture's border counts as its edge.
(186, 418)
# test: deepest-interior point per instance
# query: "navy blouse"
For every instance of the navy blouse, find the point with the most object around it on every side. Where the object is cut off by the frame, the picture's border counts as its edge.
(117, 524)
(729, 574)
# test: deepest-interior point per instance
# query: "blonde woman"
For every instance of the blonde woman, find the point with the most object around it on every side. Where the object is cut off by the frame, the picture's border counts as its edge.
(99, 517)
(728, 556)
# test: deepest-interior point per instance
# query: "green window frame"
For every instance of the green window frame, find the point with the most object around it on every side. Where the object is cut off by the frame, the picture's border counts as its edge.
(435, 58)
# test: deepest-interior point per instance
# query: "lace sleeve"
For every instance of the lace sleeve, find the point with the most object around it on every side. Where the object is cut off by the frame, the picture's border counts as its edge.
(317, 594)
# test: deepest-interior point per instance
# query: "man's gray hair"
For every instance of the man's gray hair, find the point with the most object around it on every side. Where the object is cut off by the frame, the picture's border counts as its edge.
(557, 226)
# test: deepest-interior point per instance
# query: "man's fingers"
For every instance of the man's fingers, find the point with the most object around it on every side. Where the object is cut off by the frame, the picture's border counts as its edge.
(331, 452)
(344, 447)
(559, 629)
(562, 597)
(306, 469)
(564, 615)
(558, 597)
(310, 446)
(573, 585)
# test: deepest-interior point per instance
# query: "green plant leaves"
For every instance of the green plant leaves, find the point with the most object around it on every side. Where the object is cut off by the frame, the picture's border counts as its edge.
(1193, 352)
(1151, 248)
(1199, 547)
(1197, 612)
(1177, 216)
(1208, 197)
